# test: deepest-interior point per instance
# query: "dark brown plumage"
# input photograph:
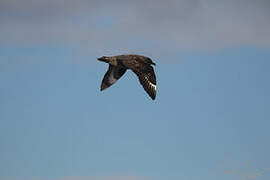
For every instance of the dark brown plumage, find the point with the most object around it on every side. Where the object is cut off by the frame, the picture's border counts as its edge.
(140, 65)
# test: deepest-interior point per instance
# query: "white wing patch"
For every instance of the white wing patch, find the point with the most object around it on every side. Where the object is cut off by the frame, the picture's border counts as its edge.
(151, 84)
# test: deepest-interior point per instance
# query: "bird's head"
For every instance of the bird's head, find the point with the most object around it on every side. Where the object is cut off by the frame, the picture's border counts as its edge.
(104, 59)
(111, 60)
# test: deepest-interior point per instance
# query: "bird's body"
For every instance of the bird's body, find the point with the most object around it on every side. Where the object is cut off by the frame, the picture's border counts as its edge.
(140, 65)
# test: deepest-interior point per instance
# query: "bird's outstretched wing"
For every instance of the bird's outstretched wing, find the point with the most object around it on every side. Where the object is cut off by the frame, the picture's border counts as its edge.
(111, 76)
(147, 79)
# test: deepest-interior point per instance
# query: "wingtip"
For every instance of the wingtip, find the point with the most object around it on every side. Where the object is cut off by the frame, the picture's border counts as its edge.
(152, 96)
(103, 87)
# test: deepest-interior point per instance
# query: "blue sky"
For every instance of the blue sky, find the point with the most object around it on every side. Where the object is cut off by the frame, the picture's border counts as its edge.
(210, 119)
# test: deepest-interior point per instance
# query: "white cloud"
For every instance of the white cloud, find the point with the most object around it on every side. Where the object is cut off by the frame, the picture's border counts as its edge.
(142, 24)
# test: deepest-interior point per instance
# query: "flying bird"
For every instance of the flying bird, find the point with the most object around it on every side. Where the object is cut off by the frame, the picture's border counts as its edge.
(140, 65)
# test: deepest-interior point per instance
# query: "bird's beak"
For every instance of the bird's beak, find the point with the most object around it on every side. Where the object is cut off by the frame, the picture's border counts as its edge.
(102, 59)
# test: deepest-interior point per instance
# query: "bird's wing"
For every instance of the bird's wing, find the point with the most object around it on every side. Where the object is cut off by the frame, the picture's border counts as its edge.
(111, 76)
(147, 79)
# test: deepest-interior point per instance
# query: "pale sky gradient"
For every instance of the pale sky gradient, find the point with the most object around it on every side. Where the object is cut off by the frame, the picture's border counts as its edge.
(210, 119)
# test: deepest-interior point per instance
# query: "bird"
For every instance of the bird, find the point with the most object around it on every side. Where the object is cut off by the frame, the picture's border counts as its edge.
(140, 65)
